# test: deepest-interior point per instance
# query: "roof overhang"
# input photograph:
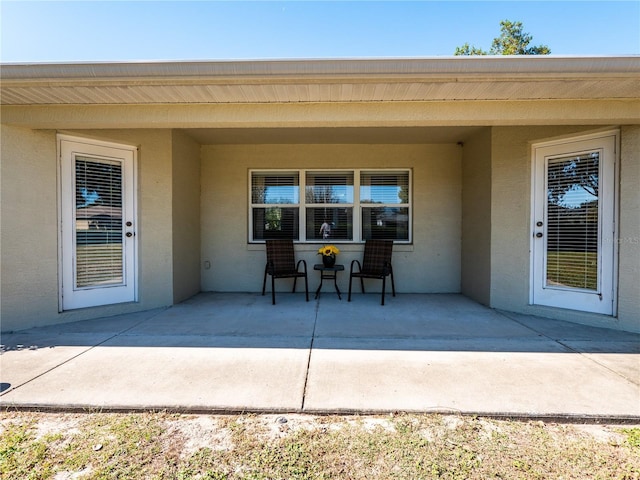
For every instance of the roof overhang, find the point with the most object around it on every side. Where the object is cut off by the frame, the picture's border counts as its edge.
(439, 79)
(426, 100)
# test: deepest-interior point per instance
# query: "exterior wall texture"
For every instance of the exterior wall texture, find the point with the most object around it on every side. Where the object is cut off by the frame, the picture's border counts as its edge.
(29, 228)
(186, 216)
(430, 264)
(629, 236)
(476, 217)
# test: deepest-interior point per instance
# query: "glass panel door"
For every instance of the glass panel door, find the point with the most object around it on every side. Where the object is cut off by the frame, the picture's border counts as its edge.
(573, 232)
(98, 237)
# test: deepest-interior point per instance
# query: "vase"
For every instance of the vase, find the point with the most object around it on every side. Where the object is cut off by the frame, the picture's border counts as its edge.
(329, 260)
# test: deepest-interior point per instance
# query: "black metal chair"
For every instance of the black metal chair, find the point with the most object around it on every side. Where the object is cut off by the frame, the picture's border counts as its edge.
(376, 263)
(281, 264)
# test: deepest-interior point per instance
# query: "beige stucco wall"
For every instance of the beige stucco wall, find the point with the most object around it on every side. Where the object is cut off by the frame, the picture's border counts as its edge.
(511, 230)
(476, 217)
(30, 221)
(186, 216)
(431, 264)
(29, 248)
(629, 237)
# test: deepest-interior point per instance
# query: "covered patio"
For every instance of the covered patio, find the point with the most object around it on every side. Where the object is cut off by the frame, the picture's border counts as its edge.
(235, 352)
(212, 158)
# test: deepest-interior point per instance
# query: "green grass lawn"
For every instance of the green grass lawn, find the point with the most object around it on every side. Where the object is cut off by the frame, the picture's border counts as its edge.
(172, 446)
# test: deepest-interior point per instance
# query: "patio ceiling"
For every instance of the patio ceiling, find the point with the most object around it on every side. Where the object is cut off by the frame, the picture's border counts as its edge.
(321, 81)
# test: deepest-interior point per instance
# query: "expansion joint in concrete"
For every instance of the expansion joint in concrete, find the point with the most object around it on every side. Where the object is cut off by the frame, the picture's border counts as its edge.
(313, 336)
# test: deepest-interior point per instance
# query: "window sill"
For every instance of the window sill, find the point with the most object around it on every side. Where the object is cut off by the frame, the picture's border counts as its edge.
(344, 247)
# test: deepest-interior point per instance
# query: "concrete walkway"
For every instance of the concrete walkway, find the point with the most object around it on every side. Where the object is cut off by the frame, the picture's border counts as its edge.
(237, 352)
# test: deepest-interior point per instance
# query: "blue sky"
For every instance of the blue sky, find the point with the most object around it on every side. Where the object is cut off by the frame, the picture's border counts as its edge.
(49, 31)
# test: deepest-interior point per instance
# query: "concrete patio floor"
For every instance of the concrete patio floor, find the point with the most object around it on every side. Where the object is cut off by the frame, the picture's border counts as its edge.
(222, 352)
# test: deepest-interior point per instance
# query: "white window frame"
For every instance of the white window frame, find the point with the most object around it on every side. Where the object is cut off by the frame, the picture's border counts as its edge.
(298, 205)
(302, 205)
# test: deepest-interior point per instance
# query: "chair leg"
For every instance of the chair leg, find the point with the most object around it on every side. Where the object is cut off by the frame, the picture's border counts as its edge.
(306, 288)
(264, 282)
(393, 286)
(349, 297)
(273, 290)
(384, 282)
(362, 284)
(295, 279)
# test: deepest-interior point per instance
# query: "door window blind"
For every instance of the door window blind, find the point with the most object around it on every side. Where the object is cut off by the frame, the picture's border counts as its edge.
(98, 223)
(572, 221)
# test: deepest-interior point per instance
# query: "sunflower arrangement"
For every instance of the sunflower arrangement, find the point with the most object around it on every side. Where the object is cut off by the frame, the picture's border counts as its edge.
(329, 250)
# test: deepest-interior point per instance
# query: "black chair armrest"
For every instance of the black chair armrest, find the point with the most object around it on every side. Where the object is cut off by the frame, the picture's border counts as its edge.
(304, 262)
(352, 263)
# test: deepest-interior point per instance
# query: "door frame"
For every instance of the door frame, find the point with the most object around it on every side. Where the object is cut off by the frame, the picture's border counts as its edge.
(91, 142)
(534, 212)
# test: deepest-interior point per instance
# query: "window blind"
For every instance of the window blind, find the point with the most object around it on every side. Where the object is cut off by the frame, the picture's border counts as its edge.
(275, 188)
(329, 187)
(572, 221)
(384, 187)
(98, 230)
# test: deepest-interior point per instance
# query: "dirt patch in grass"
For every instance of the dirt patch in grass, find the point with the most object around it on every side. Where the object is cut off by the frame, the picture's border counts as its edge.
(402, 446)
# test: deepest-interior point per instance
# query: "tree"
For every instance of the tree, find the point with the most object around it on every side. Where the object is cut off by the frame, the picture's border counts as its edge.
(512, 41)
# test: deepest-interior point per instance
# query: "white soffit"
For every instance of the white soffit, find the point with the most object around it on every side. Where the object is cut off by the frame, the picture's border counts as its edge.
(317, 81)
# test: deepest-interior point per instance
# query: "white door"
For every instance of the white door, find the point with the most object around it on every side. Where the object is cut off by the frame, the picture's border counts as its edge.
(98, 243)
(573, 231)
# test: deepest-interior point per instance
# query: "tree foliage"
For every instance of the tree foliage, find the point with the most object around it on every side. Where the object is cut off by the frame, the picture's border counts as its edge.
(512, 41)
